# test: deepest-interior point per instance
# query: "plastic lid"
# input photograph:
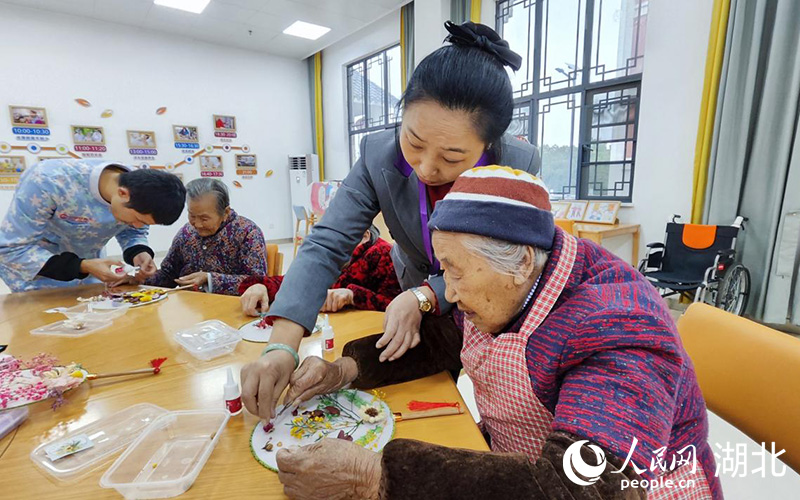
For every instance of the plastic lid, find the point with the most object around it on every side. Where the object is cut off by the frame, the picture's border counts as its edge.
(66, 328)
(88, 310)
(207, 336)
(109, 435)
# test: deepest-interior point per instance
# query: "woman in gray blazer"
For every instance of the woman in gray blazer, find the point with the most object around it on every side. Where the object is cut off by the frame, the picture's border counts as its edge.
(456, 108)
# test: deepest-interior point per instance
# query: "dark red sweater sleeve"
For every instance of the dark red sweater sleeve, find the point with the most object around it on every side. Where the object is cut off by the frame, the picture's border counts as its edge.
(371, 277)
(273, 284)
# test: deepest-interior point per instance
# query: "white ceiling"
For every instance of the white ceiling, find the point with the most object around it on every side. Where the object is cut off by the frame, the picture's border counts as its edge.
(229, 22)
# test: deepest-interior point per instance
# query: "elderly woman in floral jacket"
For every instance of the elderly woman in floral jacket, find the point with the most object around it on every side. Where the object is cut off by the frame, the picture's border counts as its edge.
(574, 358)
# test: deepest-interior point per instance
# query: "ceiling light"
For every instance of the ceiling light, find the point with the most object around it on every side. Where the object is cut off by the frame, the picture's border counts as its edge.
(193, 6)
(306, 30)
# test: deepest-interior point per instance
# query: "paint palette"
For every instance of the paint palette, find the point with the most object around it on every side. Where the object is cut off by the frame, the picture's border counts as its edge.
(351, 414)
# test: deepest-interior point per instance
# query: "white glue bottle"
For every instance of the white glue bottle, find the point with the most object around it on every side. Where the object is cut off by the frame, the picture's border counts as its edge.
(327, 335)
(232, 394)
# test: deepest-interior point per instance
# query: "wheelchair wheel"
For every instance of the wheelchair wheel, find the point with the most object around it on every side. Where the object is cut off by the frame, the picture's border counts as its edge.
(734, 290)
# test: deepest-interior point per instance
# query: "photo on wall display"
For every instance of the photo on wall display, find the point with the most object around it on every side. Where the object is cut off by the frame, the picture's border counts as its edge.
(11, 167)
(246, 165)
(88, 135)
(210, 166)
(141, 139)
(224, 123)
(28, 116)
(185, 134)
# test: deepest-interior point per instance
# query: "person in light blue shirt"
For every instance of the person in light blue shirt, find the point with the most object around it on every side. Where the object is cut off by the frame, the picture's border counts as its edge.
(64, 212)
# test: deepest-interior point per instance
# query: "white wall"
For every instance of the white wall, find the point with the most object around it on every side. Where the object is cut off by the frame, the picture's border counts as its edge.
(429, 32)
(672, 85)
(133, 72)
(383, 33)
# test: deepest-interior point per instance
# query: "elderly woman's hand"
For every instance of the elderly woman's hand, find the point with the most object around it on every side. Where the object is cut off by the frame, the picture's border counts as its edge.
(330, 468)
(255, 300)
(317, 376)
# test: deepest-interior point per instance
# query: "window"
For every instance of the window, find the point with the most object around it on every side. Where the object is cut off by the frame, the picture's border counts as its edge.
(577, 93)
(373, 95)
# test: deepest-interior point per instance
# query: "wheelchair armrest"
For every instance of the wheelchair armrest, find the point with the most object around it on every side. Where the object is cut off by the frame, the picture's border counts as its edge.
(655, 254)
(726, 253)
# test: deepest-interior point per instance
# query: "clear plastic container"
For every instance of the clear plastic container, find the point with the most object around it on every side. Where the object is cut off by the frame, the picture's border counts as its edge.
(88, 310)
(11, 419)
(209, 339)
(109, 435)
(63, 329)
(167, 458)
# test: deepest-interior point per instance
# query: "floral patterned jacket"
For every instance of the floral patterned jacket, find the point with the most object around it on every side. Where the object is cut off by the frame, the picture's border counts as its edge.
(235, 252)
(57, 208)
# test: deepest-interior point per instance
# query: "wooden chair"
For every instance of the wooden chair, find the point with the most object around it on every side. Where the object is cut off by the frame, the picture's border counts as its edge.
(274, 260)
(567, 225)
(381, 225)
(301, 214)
(749, 375)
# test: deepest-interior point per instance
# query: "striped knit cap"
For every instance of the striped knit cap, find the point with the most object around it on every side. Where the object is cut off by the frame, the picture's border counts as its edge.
(498, 202)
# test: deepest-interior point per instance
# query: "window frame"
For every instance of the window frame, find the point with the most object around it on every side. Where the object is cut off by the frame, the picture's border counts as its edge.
(367, 128)
(585, 88)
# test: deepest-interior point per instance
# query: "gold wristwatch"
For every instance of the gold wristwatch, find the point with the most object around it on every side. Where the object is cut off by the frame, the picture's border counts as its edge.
(424, 304)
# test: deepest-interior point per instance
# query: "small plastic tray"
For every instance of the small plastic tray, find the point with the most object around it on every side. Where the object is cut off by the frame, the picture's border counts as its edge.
(11, 419)
(109, 435)
(209, 339)
(59, 329)
(166, 459)
(89, 310)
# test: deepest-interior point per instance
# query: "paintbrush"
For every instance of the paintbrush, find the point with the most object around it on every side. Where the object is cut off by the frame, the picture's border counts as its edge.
(155, 369)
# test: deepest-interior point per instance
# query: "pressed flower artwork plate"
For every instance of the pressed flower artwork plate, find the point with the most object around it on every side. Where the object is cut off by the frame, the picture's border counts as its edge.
(354, 415)
(24, 386)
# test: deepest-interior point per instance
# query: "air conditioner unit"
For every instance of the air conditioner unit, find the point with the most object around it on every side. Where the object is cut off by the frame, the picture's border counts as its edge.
(303, 171)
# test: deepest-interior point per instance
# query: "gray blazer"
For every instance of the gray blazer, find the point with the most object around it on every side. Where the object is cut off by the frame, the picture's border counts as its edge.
(373, 185)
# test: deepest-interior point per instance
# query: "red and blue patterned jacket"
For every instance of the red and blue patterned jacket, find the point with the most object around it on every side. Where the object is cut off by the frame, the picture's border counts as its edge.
(609, 364)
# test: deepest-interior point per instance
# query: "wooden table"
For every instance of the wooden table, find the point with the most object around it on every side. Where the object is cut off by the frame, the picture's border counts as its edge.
(184, 383)
(596, 233)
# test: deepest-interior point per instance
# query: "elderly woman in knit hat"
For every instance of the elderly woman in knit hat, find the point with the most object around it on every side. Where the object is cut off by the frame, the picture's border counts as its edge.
(582, 385)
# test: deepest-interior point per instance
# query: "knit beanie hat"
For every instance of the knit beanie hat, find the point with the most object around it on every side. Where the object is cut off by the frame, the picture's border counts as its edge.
(498, 202)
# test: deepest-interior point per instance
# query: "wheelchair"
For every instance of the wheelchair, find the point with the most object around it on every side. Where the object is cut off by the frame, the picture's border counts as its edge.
(698, 262)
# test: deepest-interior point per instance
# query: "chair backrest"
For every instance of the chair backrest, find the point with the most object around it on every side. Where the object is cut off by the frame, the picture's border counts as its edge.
(692, 248)
(381, 225)
(567, 225)
(749, 375)
(300, 212)
(274, 260)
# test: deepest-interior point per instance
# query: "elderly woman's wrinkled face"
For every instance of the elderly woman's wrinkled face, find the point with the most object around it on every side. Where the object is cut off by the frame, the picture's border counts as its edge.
(204, 215)
(488, 298)
(439, 143)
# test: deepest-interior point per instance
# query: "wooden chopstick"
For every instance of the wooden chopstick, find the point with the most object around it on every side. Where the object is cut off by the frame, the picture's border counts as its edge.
(399, 416)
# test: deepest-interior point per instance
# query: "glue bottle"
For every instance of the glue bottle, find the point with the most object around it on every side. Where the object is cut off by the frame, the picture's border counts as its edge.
(233, 396)
(327, 335)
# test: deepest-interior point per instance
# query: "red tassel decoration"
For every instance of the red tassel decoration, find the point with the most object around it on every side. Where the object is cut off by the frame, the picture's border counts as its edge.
(156, 364)
(427, 405)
